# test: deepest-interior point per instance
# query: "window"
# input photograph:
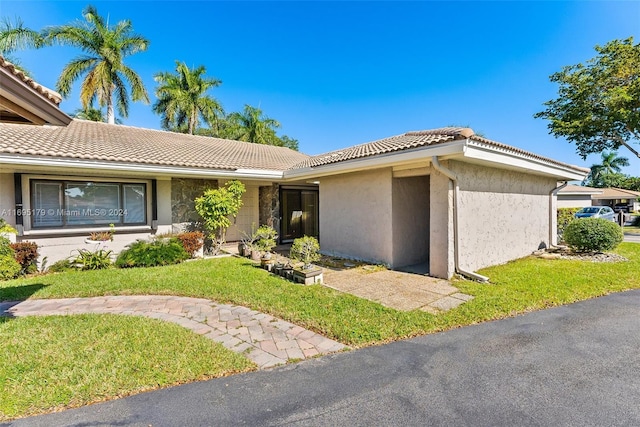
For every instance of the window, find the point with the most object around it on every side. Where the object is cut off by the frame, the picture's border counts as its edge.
(75, 204)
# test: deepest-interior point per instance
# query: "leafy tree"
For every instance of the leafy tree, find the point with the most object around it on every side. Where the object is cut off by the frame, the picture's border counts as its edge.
(105, 73)
(598, 104)
(182, 98)
(217, 207)
(607, 172)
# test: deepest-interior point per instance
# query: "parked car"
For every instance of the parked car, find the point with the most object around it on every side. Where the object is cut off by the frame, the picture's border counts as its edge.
(596, 212)
(621, 207)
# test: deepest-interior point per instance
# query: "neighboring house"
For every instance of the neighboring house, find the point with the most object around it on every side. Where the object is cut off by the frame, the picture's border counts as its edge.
(577, 196)
(444, 198)
(616, 196)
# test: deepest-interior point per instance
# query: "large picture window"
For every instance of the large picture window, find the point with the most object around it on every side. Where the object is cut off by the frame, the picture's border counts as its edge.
(72, 203)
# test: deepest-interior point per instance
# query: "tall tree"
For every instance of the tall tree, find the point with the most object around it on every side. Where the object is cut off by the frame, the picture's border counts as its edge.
(598, 104)
(105, 74)
(253, 126)
(15, 36)
(183, 99)
(607, 173)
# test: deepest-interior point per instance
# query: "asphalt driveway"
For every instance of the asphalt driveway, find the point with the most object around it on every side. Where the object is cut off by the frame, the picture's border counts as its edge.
(574, 365)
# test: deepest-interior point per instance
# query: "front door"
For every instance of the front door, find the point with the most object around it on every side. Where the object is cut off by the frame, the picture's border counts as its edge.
(299, 213)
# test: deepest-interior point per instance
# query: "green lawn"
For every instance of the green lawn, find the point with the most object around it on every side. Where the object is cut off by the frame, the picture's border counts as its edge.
(517, 287)
(55, 362)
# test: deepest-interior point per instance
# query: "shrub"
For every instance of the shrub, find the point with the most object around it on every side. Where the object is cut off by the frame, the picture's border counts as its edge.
(5, 247)
(593, 234)
(305, 249)
(217, 207)
(565, 216)
(150, 254)
(9, 267)
(61, 266)
(636, 221)
(264, 238)
(191, 241)
(92, 260)
(26, 253)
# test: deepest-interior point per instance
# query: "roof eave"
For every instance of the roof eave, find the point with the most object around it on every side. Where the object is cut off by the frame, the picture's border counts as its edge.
(391, 159)
(18, 161)
(511, 159)
(25, 101)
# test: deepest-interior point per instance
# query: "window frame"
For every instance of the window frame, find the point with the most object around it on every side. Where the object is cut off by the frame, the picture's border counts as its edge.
(63, 185)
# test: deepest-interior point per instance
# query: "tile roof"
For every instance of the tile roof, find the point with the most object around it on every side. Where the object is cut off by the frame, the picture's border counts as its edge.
(579, 189)
(617, 193)
(95, 141)
(402, 142)
(49, 94)
(416, 139)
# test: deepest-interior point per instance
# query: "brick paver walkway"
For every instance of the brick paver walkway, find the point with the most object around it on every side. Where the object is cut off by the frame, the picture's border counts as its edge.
(266, 340)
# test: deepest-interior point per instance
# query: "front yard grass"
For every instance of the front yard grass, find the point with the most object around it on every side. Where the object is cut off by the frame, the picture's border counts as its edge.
(517, 287)
(55, 362)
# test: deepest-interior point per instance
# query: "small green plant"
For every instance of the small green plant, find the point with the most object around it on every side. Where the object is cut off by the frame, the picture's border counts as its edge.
(264, 238)
(305, 249)
(636, 221)
(593, 235)
(154, 253)
(217, 207)
(61, 266)
(93, 260)
(26, 253)
(6, 228)
(9, 267)
(5, 247)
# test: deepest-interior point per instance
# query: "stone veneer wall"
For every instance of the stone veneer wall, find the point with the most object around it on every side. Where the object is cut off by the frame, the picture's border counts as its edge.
(270, 206)
(183, 193)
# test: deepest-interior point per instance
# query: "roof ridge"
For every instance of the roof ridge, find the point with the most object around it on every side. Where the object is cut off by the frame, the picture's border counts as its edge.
(448, 131)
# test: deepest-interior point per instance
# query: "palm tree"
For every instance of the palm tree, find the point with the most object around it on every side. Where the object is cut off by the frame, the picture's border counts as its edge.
(610, 165)
(105, 73)
(253, 126)
(182, 98)
(15, 36)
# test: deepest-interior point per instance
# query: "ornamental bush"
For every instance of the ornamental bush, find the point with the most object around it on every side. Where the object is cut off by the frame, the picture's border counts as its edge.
(305, 249)
(593, 235)
(26, 253)
(150, 254)
(191, 241)
(9, 267)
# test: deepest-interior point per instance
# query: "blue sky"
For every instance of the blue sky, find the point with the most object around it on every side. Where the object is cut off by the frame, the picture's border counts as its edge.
(336, 74)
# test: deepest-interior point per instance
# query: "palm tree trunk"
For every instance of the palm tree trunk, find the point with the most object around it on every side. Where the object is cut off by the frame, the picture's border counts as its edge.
(111, 117)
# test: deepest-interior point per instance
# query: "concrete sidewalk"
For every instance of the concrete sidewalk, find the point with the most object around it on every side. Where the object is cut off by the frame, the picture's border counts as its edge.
(264, 339)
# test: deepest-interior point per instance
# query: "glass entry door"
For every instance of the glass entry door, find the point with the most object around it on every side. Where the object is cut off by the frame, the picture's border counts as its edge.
(299, 213)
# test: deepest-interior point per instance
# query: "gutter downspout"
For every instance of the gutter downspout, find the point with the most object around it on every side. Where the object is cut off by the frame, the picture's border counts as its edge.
(456, 235)
(552, 194)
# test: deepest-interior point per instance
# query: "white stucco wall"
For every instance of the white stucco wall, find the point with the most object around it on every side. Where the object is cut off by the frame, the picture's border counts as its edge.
(410, 220)
(356, 215)
(571, 201)
(503, 215)
(7, 199)
(441, 246)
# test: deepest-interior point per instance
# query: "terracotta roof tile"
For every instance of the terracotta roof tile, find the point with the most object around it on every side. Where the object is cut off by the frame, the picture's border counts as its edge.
(87, 140)
(405, 141)
(415, 139)
(49, 94)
